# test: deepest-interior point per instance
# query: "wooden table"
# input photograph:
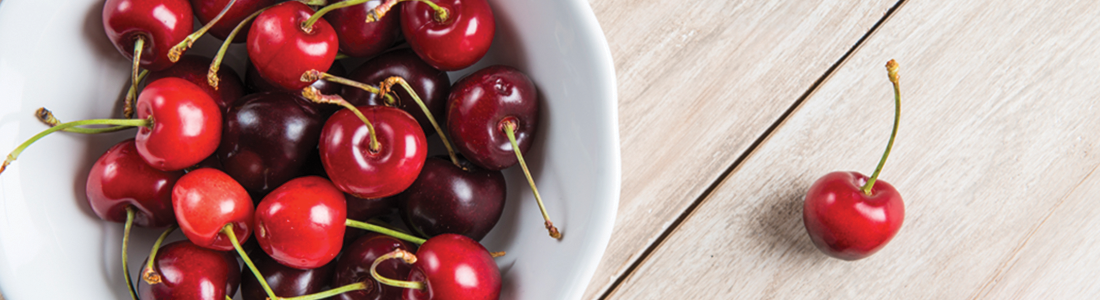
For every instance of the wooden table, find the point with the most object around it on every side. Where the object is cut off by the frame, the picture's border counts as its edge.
(729, 110)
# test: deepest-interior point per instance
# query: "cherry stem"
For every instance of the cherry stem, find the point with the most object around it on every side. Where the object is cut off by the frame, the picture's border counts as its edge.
(150, 274)
(228, 230)
(384, 89)
(126, 122)
(406, 256)
(441, 14)
(314, 75)
(307, 26)
(315, 95)
(313, 2)
(139, 46)
(358, 286)
(892, 72)
(126, 242)
(212, 75)
(383, 230)
(177, 50)
(46, 116)
(131, 94)
(509, 129)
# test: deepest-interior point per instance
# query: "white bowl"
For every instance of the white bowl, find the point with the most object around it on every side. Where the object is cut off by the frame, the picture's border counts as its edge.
(54, 54)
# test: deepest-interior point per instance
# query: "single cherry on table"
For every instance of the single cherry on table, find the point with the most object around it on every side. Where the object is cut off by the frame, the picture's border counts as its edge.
(849, 216)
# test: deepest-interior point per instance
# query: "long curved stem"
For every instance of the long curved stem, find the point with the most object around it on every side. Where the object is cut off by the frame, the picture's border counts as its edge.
(314, 75)
(441, 14)
(46, 116)
(125, 243)
(431, 119)
(139, 46)
(126, 122)
(383, 230)
(406, 256)
(509, 130)
(313, 94)
(892, 72)
(149, 274)
(228, 230)
(177, 50)
(212, 75)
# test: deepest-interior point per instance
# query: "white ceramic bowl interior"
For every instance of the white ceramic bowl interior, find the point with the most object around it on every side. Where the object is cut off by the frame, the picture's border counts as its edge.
(54, 54)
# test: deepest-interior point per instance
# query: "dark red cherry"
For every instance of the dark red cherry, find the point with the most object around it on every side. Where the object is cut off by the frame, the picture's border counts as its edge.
(205, 200)
(359, 38)
(354, 266)
(206, 10)
(301, 223)
(366, 209)
(192, 272)
(120, 179)
(283, 50)
(363, 172)
(454, 266)
(457, 42)
(267, 138)
(162, 24)
(186, 128)
(430, 84)
(193, 68)
(479, 106)
(284, 281)
(447, 199)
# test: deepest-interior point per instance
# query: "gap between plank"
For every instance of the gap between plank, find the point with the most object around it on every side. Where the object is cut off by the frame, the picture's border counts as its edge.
(752, 148)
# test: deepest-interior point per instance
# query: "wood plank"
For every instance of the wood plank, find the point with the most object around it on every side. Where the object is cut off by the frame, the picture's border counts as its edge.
(998, 131)
(699, 82)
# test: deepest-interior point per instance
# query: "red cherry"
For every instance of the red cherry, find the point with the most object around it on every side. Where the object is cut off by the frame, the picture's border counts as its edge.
(363, 172)
(453, 266)
(301, 223)
(193, 68)
(359, 38)
(206, 10)
(478, 107)
(282, 49)
(161, 24)
(121, 179)
(850, 216)
(446, 198)
(188, 271)
(186, 124)
(205, 200)
(454, 43)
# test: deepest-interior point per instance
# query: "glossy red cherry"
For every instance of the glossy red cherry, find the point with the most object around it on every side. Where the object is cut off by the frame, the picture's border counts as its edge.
(282, 49)
(363, 172)
(359, 38)
(206, 10)
(430, 84)
(161, 24)
(191, 272)
(479, 106)
(452, 44)
(205, 200)
(449, 199)
(186, 128)
(284, 281)
(354, 266)
(301, 223)
(454, 266)
(193, 68)
(850, 216)
(121, 179)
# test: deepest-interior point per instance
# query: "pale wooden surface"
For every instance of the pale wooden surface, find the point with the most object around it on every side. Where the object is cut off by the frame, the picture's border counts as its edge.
(996, 160)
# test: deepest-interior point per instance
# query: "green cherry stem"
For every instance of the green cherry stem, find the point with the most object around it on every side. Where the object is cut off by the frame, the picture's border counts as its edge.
(131, 94)
(149, 275)
(358, 286)
(509, 130)
(125, 122)
(46, 116)
(307, 26)
(212, 75)
(228, 230)
(384, 230)
(314, 75)
(139, 46)
(177, 50)
(126, 242)
(441, 14)
(892, 72)
(406, 256)
(385, 87)
(313, 94)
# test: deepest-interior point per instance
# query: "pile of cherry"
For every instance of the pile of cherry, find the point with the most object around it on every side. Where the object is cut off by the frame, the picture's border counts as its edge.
(319, 152)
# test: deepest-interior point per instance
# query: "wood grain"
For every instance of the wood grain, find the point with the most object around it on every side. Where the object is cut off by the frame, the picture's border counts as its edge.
(699, 82)
(997, 141)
